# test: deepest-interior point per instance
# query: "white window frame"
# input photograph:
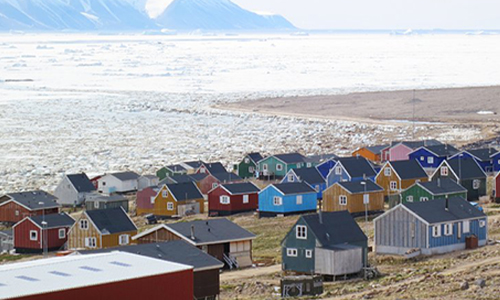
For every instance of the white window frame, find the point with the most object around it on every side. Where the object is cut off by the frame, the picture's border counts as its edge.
(387, 172)
(265, 167)
(309, 253)
(251, 169)
(247, 160)
(291, 252)
(301, 232)
(466, 226)
(476, 184)
(482, 223)
(62, 233)
(343, 200)
(309, 165)
(317, 188)
(124, 239)
(91, 242)
(430, 159)
(436, 231)
(246, 199)
(422, 158)
(291, 178)
(96, 204)
(33, 235)
(170, 206)
(215, 185)
(277, 201)
(338, 170)
(444, 171)
(393, 185)
(299, 200)
(153, 200)
(225, 200)
(424, 199)
(409, 199)
(279, 167)
(84, 224)
(448, 229)
(16, 213)
(164, 194)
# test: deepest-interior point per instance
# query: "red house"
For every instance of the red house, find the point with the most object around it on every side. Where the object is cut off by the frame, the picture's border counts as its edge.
(213, 180)
(496, 189)
(14, 207)
(145, 201)
(228, 199)
(31, 236)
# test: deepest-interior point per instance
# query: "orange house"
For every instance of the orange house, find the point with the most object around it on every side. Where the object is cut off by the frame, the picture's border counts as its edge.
(372, 153)
(396, 176)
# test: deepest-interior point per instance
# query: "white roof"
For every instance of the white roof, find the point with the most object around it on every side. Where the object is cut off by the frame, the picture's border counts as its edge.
(76, 271)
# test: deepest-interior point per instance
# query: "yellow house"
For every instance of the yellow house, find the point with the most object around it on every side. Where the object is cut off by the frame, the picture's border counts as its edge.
(396, 176)
(178, 199)
(354, 196)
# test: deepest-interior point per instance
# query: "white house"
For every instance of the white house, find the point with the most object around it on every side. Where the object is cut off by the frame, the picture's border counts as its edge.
(73, 189)
(118, 183)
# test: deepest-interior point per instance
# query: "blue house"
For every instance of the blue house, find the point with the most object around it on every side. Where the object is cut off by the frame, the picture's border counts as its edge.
(310, 176)
(484, 157)
(287, 199)
(351, 169)
(430, 157)
(325, 167)
(433, 227)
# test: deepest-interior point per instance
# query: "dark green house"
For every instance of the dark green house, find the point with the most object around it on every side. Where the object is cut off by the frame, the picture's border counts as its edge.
(466, 172)
(170, 171)
(327, 243)
(248, 165)
(431, 190)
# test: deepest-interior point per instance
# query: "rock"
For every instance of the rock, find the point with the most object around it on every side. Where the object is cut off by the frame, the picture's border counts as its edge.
(481, 283)
(464, 286)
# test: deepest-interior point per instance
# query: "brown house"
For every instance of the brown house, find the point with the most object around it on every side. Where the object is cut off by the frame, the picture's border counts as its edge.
(220, 238)
(178, 199)
(396, 176)
(96, 229)
(14, 207)
(354, 196)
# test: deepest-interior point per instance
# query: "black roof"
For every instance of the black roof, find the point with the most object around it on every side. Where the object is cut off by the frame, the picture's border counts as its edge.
(256, 157)
(54, 220)
(177, 251)
(214, 168)
(198, 177)
(442, 150)
(320, 158)
(483, 154)
(434, 211)
(442, 186)
(33, 199)
(113, 220)
(211, 231)
(309, 175)
(123, 176)
(334, 228)
(356, 187)
(176, 168)
(357, 166)
(81, 183)
(240, 188)
(226, 177)
(408, 169)
(176, 179)
(290, 188)
(377, 149)
(194, 164)
(467, 168)
(290, 158)
(184, 191)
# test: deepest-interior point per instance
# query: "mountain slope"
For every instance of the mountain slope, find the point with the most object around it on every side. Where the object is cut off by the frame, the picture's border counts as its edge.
(216, 15)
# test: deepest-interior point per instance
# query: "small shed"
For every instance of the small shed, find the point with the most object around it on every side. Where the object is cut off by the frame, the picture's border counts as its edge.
(104, 202)
(122, 182)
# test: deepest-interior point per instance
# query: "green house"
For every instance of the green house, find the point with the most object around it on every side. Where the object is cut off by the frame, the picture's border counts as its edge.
(248, 165)
(277, 166)
(437, 189)
(170, 171)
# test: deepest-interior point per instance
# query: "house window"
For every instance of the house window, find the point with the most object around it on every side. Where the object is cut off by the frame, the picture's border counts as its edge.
(202, 170)
(424, 199)
(387, 172)
(62, 233)
(448, 229)
(225, 200)
(309, 165)
(366, 199)
(482, 223)
(301, 232)
(247, 160)
(343, 200)
(124, 239)
(214, 185)
(204, 248)
(264, 167)
(33, 235)
(104, 183)
(251, 169)
(436, 231)
(246, 198)
(444, 171)
(299, 199)
(394, 186)
(466, 226)
(409, 199)
(291, 178)
(96, 204)
(91, 242)
(316, 188)
(309, 253)
(338, 170)
(170, 206)
(164, 194)
(279, 167)
(430, 160)
(84, 224)
(152, 200)
(476, 184)
(422, 158)
(277, 201)
(17, 213)
(291, 252)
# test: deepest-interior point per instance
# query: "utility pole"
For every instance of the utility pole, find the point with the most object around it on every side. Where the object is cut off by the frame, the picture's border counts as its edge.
(44, 229)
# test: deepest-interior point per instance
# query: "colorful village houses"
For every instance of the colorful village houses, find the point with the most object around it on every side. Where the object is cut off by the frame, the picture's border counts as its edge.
(103, 228)
(211, 181)
(287, 199)
(171, 170)
(173, 200)
(233, 198)
(431, 190)
(99, 201)
(430, 157)
(248, 165)
(211, 168)
(276, 166)
(401, 150)
(372, 153)
(325, 167)
(36, 233)
(467, 173)
(206, 269)
(432, 227)
(310, 176)
(351, 169)
(483, 156)
(395, 176)
(73, 189)
(122, 182)
(220, 238)
(329, 244)
(14, 207)
(315, 160)
(357, 197)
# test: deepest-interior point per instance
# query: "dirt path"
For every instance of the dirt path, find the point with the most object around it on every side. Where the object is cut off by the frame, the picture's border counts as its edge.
(249, 273)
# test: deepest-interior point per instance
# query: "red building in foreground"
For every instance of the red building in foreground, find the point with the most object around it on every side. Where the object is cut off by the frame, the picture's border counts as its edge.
(115, 275)
(233, 198)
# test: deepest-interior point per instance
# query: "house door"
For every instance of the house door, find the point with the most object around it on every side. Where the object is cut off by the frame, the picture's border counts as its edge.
(265, 169)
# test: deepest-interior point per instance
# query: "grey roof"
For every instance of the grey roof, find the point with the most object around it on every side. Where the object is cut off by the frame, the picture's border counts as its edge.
(177, 251)
(377, 149)
(176, 179)
(320, 158)
(256, 157)
(442, 150)
(176, 168)
(54, 220)
(309, 175)
(214, 168)
(442, 186)
(194, 164)
(334, 228)
(124, 176)
(211, 231)
(467, 168)
(198, 177)
(149, 176)
(483, 154)
(357, 166)
(104, 198)
(7, 232)
(290, 158)
(291, 188)
(33, 199)
(356, 187)
(113, 220)
(185, 191)
(81, 183)
(418, 144)
(240, 188)
(408, 169)
(434, 211)
(226, 177)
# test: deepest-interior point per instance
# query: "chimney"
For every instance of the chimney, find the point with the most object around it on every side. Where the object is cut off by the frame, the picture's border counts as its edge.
(446, 203)
(320, 216)
(192, 232)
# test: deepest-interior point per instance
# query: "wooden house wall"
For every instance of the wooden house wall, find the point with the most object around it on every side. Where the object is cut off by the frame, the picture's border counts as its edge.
(422, 156)
(90, 204)
(333, 178)
(235, 204)
(338, 262)
(76, 236)
(207, 184)
(8, 212)
(113, 240)
(453, 239)
(143, 201)
(363, 152)
(472, 194)
(272, 170)
(325, 167)
(354, 201)
(67, 195)
(160, 235)
(160, 205)
(243, 169)
(289, 205)
(418, 192)
(399, 152)
(22, 237)
(301, 263)
(206, 283)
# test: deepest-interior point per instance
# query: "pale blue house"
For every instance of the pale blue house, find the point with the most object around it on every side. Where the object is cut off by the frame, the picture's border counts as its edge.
(351, 169)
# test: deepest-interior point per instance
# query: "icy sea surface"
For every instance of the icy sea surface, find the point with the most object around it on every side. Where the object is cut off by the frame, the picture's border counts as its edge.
(98, 103)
